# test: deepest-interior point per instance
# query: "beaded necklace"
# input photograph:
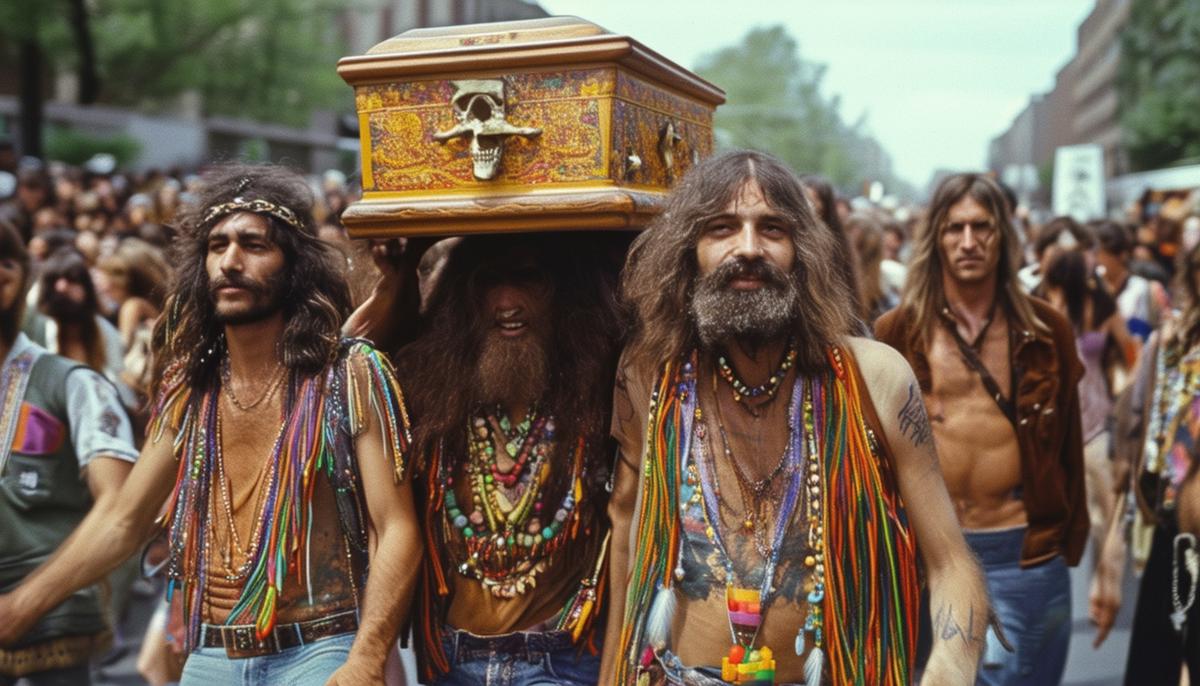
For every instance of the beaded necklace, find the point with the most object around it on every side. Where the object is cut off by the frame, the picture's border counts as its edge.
(868, 615)
(1177, 385)
(746, 607)
(233, 543)
(757, 495)
(318, 408)
(742, 391)
(506, 539)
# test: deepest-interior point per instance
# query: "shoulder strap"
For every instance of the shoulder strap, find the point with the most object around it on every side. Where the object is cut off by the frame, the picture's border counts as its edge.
(971, 357)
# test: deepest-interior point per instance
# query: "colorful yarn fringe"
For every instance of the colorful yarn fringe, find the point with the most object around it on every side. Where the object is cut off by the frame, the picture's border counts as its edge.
(362, 380)
(872, 596)
(656, 547)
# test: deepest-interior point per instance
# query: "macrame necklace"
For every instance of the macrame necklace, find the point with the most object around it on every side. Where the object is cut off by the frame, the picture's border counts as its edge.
(507, 535)
(746, 607)
(743, 391)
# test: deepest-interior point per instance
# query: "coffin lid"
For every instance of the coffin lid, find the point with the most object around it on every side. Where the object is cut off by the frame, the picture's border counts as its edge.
(549, 41)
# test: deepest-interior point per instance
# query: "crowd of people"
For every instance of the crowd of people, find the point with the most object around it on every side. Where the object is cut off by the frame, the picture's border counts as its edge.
(779, 436)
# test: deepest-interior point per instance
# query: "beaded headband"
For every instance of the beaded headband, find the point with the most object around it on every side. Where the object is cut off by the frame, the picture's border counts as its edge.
(257, 206)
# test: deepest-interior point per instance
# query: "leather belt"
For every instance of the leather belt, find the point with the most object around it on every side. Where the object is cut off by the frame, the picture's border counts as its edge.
(241, 641)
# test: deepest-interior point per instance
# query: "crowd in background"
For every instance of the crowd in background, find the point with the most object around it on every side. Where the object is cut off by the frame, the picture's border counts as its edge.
(99, 241)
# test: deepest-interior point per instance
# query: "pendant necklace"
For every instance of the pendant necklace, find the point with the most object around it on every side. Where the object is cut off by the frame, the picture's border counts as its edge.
(746, 607)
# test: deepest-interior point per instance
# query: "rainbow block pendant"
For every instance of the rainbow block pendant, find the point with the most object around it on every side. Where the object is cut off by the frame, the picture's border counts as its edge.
(748, 667)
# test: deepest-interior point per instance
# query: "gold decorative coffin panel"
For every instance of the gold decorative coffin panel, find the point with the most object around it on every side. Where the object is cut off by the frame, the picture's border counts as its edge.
(542, 125)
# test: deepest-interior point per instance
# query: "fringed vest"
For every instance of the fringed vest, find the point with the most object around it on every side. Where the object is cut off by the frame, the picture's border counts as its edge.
(872, 600)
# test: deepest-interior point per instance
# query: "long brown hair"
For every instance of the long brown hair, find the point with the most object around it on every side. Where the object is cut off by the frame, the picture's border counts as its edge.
(12, 247)
(868, 246)
(924, 294)
(661, 270)
(69, 263)
(436, 370)
(317, 302)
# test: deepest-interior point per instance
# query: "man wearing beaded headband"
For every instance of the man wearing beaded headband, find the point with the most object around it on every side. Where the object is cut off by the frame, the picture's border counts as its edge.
(276, 448)
(768, 515)
(999, 374)
(509, 383)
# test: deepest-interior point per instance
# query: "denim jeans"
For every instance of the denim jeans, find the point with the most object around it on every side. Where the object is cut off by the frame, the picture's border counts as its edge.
(544, 659)
(307, 665)
(1033, 606)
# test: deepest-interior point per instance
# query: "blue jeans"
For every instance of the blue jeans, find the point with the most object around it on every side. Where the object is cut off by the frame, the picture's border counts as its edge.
(308, 665)
(518, 659)
(1034, 608)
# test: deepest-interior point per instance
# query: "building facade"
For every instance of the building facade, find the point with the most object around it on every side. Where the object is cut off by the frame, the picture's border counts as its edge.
(1083, 107)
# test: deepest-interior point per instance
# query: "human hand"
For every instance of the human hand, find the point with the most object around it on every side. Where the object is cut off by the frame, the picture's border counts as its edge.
(1104, 601)
(357, 673)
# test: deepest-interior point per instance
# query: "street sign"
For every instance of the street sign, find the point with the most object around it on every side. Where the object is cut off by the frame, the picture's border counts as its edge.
(1079, 182)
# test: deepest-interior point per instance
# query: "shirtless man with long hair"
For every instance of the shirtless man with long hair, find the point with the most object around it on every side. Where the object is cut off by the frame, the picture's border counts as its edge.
(999, 378)
(276, 451)
(777, 484)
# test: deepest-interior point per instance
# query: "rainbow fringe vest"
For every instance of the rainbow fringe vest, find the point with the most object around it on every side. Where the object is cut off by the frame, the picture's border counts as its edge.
(872, 599)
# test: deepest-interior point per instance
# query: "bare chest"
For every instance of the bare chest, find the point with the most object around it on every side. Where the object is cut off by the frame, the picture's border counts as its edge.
(955, 377)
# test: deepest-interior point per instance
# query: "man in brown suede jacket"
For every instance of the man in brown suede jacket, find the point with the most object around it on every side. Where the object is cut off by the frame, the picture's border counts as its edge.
(998, 373)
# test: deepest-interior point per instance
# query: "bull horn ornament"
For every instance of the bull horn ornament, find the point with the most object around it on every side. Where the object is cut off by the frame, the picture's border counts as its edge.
(479, 108)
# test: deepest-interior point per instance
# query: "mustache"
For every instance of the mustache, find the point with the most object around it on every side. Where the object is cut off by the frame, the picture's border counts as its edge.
(236, 281)
(741, 267)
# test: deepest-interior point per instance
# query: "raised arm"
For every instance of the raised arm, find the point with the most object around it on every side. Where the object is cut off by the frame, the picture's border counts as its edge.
(395, 551)
(958, 594)
(120, 521)
(389, 316)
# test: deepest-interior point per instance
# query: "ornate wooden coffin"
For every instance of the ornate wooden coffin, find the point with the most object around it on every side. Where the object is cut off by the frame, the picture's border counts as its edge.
(542, 125)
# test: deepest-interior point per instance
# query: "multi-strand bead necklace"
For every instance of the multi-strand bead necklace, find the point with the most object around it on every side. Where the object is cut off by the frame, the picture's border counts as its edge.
(746, 607)
(509, 530)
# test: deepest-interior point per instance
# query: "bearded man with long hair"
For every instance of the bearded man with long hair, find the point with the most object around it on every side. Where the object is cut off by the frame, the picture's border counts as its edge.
(275, 449)
(1000, 380)
(771, 503)
(509, 381)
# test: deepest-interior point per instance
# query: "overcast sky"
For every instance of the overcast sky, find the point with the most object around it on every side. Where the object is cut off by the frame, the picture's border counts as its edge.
(938, 79)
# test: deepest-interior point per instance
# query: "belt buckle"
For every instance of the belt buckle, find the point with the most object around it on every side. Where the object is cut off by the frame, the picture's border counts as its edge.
(241, 642)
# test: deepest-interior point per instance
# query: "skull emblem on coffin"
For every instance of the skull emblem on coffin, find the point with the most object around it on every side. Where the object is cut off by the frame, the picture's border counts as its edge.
(479, 110)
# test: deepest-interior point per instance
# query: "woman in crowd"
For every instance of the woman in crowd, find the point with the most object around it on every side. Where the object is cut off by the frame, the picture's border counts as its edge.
(1070, 286)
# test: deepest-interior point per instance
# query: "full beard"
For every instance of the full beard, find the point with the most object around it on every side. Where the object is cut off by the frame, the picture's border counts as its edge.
(753, 317)
(511, 372)
(63, 309)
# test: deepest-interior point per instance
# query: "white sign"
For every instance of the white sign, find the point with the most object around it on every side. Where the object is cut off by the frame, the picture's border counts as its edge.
(1079, 182)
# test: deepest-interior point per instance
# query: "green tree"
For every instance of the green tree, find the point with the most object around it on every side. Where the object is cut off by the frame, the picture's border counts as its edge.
(1159, 83)
(775, 104)
(271, 60)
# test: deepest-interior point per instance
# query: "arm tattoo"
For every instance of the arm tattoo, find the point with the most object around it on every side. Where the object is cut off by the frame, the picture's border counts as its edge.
(946, 627)
(914, 423)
